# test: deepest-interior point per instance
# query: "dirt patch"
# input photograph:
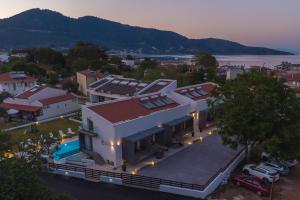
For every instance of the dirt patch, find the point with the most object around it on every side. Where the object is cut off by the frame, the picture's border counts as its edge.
(288, 188)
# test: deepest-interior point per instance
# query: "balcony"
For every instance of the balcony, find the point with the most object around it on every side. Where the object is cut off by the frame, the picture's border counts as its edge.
(86, 131)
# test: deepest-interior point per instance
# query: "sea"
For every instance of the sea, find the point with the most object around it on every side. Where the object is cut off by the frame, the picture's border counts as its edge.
(246, 60)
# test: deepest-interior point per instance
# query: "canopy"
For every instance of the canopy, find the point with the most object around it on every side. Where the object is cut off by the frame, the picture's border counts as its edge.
(12, 112)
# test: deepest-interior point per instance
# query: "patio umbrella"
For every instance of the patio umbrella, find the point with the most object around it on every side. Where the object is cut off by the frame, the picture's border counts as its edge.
(12, 112)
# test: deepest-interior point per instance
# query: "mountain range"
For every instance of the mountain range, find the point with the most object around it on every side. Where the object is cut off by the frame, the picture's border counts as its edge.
(46, 28)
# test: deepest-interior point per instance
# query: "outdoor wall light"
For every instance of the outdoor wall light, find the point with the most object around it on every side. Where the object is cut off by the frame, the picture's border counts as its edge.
(118, 143)
(66, 173)
(133, 172)
(110, 180)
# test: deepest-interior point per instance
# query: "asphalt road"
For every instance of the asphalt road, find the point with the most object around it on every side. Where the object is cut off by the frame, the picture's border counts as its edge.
(85, 190)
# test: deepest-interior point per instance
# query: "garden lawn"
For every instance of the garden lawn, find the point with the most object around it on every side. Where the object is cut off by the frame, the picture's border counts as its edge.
(22, 134)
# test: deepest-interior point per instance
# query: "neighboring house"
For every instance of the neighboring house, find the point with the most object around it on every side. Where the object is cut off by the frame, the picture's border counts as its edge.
(292, 78)
(230, 72)
(130, 63)
(16, 82)
(134, 128)
(41, 102)
(85, 78)
(116, 87)
(4, 57)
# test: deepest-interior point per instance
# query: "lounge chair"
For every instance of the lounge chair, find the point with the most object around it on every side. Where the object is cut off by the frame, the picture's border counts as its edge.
(61, 133)
(70, 132)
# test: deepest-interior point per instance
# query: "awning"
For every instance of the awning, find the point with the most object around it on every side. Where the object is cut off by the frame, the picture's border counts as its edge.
(178, 121)
(144, 134)
(12, 112)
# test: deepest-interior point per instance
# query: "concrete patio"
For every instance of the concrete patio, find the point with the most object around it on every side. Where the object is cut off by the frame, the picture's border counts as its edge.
(195, 164)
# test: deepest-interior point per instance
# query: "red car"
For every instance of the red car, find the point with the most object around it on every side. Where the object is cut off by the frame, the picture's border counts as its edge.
(262, 188)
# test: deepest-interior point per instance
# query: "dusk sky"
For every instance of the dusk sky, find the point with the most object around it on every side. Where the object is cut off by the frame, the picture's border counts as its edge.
(269, 23)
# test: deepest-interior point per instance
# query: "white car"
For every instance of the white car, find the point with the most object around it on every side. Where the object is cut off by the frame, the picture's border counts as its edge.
(280, 168)
(260, 172)
(290, 163)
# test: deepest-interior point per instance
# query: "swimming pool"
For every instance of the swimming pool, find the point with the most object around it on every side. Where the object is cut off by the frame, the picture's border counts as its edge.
(66, 149)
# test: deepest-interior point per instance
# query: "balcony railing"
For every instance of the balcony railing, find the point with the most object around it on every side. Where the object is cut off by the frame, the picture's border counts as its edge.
(86, 130)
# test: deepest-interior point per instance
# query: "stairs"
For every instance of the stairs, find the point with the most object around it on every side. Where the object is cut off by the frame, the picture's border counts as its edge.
(96, 157)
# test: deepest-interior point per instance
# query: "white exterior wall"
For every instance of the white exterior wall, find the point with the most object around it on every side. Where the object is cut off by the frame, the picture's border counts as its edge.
(105, 132)
(113, 133)
(59, 109)
(47, 93)
(20, 87)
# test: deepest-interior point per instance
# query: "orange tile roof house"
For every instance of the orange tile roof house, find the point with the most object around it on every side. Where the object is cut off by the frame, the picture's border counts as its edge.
(16, 82)
(42, 102)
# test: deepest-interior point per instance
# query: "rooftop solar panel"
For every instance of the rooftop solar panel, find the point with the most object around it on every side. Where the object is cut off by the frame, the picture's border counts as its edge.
(115, 81)
(158, 102)
(167, 100)
(202, 92)
(162, 83)
(149, 105)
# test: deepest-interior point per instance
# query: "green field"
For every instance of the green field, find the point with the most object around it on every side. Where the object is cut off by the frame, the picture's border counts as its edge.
(53, 126)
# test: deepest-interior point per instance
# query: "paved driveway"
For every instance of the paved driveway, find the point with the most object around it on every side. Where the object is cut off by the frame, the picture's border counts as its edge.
(195, 164)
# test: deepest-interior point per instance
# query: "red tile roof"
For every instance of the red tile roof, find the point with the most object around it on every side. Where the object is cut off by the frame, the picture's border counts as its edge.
(88, 72)
(126, 110)
(6, 77)
(57, 99)
(21, 107)
(30, 92)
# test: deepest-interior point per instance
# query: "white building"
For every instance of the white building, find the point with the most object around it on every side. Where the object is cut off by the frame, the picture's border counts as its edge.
(41, 102)
(16, 82)
(130, 63)
(134, 128)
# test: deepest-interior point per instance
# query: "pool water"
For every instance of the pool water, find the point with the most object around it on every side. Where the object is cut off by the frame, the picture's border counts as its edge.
(66, 149)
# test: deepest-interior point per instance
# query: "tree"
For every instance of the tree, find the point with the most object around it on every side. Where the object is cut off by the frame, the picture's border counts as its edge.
(148, 63)
(53, 79)
(4, 95)
(48, 56)
(70, 85)
(85, 54)
(20, 176)
(254, 108)
(209, 64)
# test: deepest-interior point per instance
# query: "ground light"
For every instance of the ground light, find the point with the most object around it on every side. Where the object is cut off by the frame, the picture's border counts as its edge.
(8, 154)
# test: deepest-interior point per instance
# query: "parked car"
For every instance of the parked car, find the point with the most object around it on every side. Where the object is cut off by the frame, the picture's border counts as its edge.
(290, 163)
(260, 172)
(281, 168)
(262, 188)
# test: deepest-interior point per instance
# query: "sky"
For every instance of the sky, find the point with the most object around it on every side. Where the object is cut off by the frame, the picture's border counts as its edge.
(268, 23)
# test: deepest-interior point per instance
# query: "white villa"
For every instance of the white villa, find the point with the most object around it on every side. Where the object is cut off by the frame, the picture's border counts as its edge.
(42, 102)
(144, 120)
(16, 82)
